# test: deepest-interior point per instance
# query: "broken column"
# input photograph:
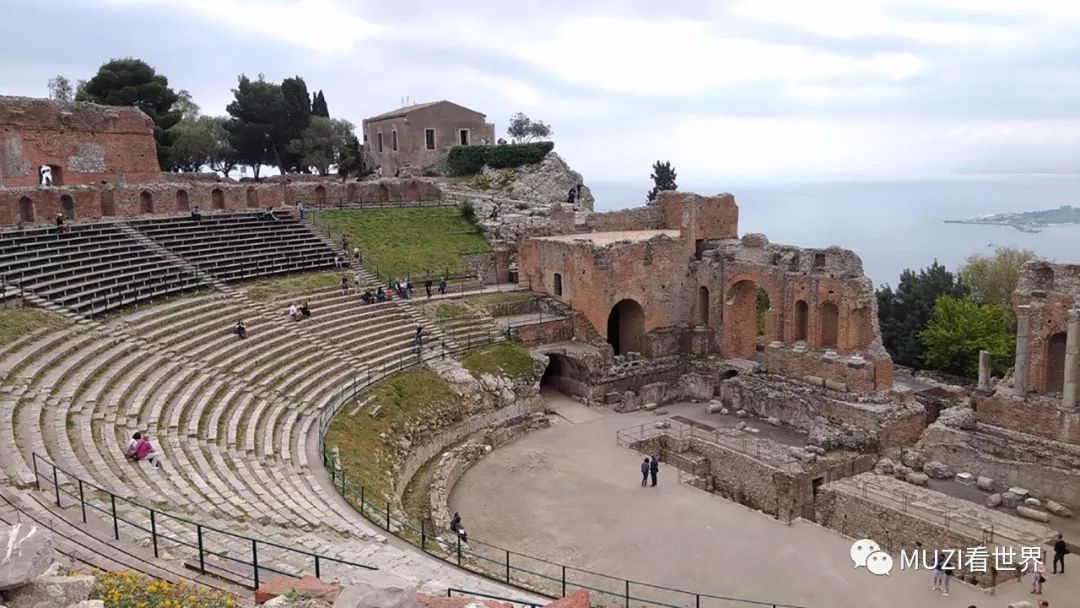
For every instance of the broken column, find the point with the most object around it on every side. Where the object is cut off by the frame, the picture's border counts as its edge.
(1072, 349)
(984, 369)
(1020, 366)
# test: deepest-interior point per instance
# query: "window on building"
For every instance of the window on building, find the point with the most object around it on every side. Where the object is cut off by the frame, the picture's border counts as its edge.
(429, 139)
(365, 138)
(558, 284)
(463, 135)
(393, 140)
(379, 137)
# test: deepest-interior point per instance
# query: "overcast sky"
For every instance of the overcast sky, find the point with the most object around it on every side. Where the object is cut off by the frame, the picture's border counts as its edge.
(785, 89)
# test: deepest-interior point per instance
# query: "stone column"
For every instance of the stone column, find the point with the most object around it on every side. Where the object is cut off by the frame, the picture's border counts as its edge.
(1020, 366)
(984, 369)
(1072, 356)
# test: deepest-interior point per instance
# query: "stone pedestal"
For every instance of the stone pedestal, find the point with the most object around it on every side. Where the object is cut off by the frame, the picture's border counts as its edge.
(984, 369)
(1023, 314)
(1072, 358)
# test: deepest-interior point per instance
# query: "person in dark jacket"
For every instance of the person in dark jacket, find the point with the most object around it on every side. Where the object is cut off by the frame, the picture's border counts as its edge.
(654, 468)
(645, 472)
(1059, 554)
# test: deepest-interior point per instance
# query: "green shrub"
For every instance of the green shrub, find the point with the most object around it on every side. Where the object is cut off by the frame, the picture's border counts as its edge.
(468, 212)
(466, 160)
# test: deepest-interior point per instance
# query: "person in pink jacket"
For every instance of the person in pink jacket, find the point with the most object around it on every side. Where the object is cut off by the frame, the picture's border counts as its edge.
(144, 450)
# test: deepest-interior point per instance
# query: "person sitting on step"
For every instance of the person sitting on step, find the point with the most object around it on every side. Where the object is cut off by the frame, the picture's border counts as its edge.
(144, 450)
(130, 451)
(240, 330)
(305, 310)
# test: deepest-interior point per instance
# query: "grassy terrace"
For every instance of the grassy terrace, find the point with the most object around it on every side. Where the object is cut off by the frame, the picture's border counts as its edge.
(295, 283)
(19, 321)
(501, 359)
(407, 241)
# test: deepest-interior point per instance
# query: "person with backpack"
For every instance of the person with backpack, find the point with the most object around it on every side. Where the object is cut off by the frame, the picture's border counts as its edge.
(654, 468)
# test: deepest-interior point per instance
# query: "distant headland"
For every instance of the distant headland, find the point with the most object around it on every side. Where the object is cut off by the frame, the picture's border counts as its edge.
(1028, 221)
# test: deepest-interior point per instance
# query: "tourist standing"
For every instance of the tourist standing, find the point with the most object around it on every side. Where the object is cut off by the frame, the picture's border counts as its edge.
(442, 286)
(427, 287)
(1037, 578)
(645, 472)
(418, 340)
(302, 209)
(654, 468)
(1060, 550)
(939, 572)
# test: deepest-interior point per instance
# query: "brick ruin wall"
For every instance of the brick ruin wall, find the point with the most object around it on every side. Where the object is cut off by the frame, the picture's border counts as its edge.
(40, 205)
(84, 143)
(1050, 290)
(1032, 415)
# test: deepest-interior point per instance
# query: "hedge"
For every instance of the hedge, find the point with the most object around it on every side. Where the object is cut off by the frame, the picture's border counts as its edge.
(466, 160)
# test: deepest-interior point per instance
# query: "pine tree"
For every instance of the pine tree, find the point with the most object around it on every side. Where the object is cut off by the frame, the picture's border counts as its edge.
(318, 105)
(663, 177)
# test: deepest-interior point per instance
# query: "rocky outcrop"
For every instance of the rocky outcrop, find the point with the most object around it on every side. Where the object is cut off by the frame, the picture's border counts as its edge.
(546, 182)
(28, 553)
(50, 592)
(377, 589)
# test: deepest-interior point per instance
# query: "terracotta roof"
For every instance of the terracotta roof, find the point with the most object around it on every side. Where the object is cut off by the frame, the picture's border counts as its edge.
(407, 109)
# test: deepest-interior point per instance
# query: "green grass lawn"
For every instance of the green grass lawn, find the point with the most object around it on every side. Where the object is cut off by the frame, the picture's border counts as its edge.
(18, 321)
(501, 359)
(295, 283)
(367, 445)
(407, 241)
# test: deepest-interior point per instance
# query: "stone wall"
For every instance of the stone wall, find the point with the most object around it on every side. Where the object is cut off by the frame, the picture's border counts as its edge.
(84, 143)
(1050, 290)
(559, 330)
(1035, 415)
(491, 267)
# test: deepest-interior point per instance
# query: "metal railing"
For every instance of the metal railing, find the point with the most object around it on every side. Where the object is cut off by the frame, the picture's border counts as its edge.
(450, 591)
(743, 445)
(527, 572)
(89, 496)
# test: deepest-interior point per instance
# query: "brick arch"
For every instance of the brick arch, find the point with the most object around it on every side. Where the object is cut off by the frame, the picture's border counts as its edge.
(1055, 363)
(217, 199)
(350, 193)
(320, 195)
(252, 197)
(701, 307)
(802, 320)
(829, 325)
(146, 202)
(108, 203)
(626, 326)
(27, 213)
(182, 204)
(67, 206)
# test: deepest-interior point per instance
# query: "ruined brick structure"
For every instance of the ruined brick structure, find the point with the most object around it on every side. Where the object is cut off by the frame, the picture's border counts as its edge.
(83, 143)
(674, 277)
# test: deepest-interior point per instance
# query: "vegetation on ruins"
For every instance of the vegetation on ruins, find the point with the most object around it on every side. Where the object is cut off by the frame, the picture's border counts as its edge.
(905, 312)
(507, 359)
(203, 141)
(409, 242)
(960, 328)
(60, 89)
(132, 82)
(132, 590)
(467, 160)
(21, 321)
(992, 279)
(663, 177)
(323, 143)
(523, 129)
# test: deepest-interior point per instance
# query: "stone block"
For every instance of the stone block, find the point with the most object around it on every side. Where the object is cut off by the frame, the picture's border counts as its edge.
(994, 500)
(696, 386)
(307, 587)
(89, 604)
(613, 398)
(884, 466)
(835, 385)
(741, 413)
(714, 407)
(919, 479)
(650, 406)
(1058, 509)
(1033, 514)
(966, 479)
(577, 599)
(663, 424)
(653, 393)
(740, 426)
(1020, 493)
(1032, 502)
(773, 420)
(937, 470)
(984, 483)
(50, 592)
(816, 380)
(1009, 500)
(1023, 604)
(377, 589)
(29, 553)
(752, 430)
(725, 411)
(913, 459)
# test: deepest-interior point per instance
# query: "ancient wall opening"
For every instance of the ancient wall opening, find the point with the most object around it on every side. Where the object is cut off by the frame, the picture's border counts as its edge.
(1055, 363)
(558, 284)
(217, 199)
(412, 192)
(830, 325)
(67, 206)
(146, 202)
(802, 320)
(626, 326)
(764, 305)
(320, 195)
(701, 316)
(554, 372)
(182, 201)
(384, 193)
(108, 203)
(26, 210)
(350, 193)
(741, 320)
(252, 198)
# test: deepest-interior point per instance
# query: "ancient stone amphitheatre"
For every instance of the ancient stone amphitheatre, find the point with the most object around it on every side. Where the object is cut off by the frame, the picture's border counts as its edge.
(566, 350)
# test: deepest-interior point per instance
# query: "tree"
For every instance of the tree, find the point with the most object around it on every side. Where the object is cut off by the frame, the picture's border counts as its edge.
(523, 129)
(132, 82)
(322, 143)
(203, 142)
(318, 106)
(960, 328)
(663, 177)
(904, 313)
(255, 113)
(189, 110)
(352, 161)
(60, 89)
(992, 279)
(223, 157)
(295, 117)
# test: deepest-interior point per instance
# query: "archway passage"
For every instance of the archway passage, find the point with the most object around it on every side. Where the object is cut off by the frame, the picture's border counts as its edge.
(67, 206)
(146, 202)
(182, 201)
(553, 373)
(26, 210)
(320, 195)
(1055, 363)
(217, 199)
(626, 326)
(702, 312)
(252, 198)
(830, 325)
(763, 307)
(740, 320)
(108, 203)
(802, 317)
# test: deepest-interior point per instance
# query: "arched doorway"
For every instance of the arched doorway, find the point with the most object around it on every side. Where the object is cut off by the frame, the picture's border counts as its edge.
(146, 202)
(701, 316)
(740, 320)
(763, 307)
(320, 195)
(67, 206)
(252, 198)
(830, 325)
(384, 193)
(108, 203)
(26, 210)
(553, 373)
(182, 201)
(626, 326)
(558, 284)
(350, 193)
(802, 318)
(1055, 363)
(217, 199)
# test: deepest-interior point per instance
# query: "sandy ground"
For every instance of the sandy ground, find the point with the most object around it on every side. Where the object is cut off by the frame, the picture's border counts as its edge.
(571, 495)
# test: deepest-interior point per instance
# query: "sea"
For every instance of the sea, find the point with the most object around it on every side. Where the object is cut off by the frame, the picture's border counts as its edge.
(891, 225)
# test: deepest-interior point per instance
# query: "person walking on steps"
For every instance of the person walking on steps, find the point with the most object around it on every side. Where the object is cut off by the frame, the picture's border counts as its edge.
(654, 468)
(645, 472)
